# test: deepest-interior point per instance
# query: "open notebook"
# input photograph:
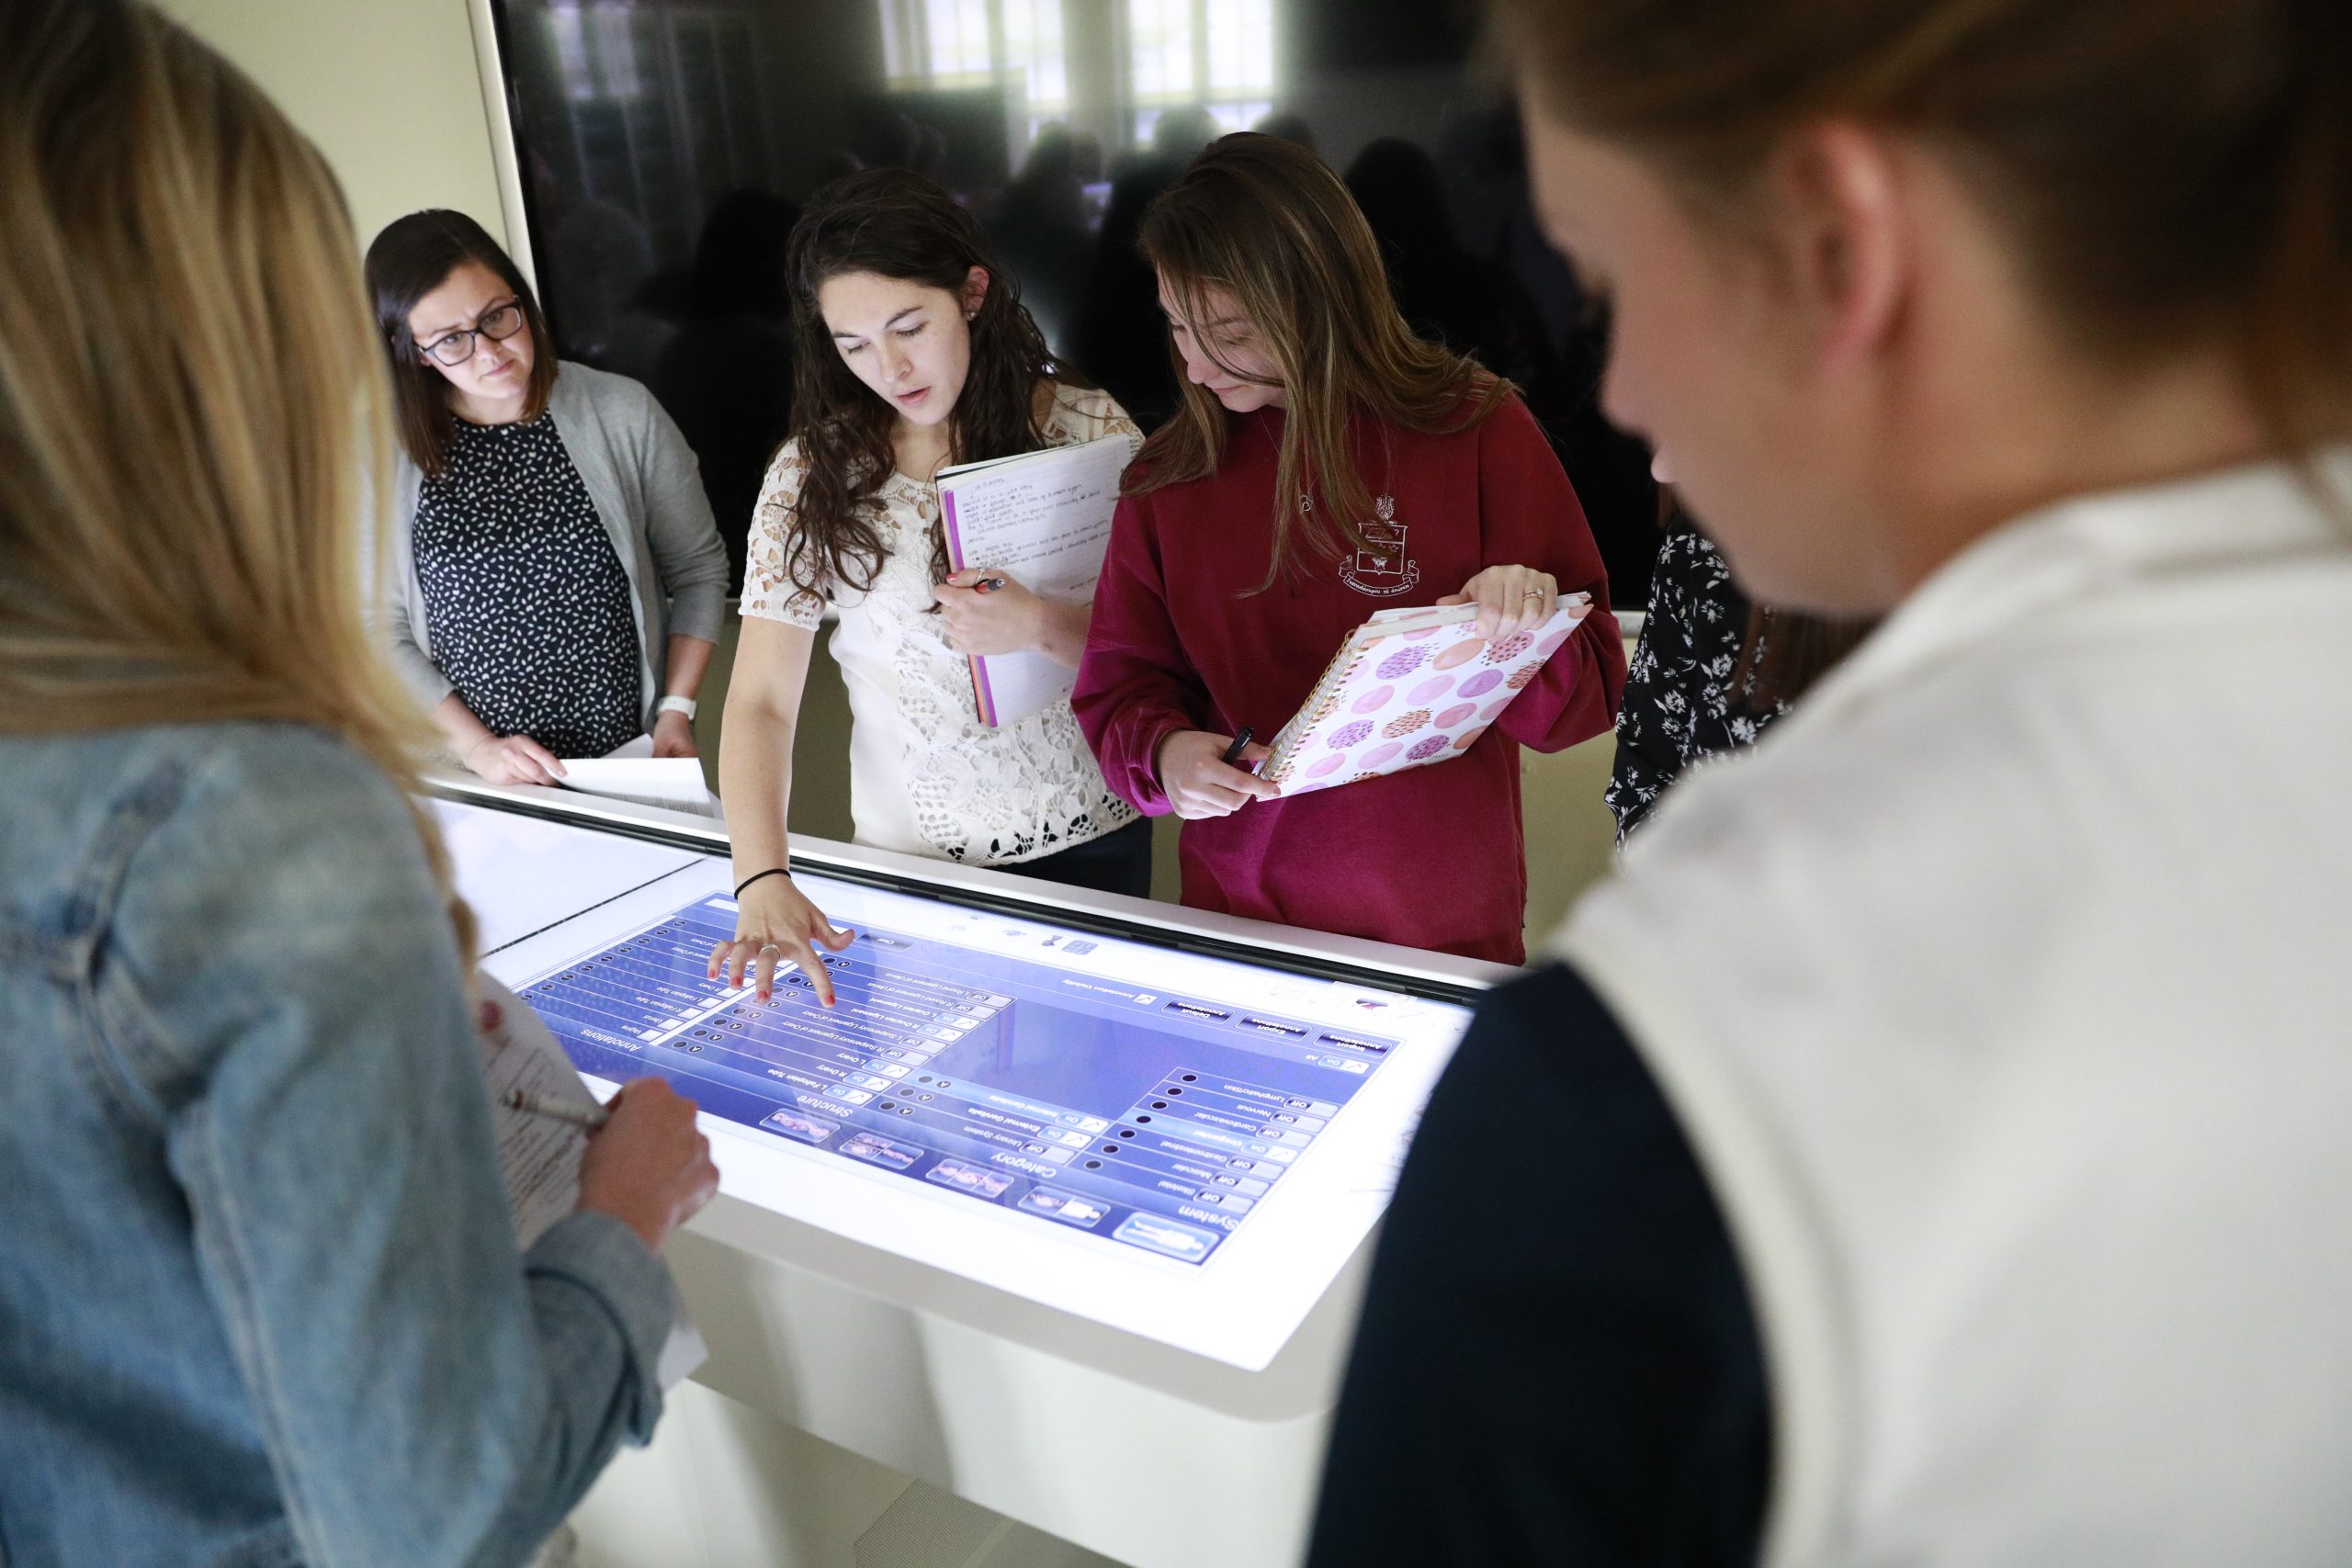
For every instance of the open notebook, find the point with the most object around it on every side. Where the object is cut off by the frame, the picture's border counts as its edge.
(1045, 518)
(1409, 688)
(539, 1156)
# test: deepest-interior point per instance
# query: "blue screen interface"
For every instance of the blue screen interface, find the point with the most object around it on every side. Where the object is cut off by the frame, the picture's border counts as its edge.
(1149, 1118)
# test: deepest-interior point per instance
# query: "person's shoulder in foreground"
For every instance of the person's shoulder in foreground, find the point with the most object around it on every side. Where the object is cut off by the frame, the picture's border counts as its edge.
(2052, 1107)
(1558, 1362)
(84, 804)
(239, 1313)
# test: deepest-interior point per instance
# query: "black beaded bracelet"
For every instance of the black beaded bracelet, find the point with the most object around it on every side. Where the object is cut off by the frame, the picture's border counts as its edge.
(779, 871)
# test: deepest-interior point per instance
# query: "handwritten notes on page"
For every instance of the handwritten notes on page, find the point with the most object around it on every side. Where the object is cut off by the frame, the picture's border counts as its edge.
(1045, 519)
(540, 1155)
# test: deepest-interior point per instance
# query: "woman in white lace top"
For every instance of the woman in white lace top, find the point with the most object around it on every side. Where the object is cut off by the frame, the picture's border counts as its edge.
(915, 353)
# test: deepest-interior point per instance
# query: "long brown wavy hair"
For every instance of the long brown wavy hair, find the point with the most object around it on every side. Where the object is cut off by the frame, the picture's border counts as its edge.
(897, 224)
(1269, 223)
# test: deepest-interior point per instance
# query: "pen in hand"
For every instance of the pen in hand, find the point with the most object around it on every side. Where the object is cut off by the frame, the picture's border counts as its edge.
(1232, 758)
(987, 585)
(589, 1116)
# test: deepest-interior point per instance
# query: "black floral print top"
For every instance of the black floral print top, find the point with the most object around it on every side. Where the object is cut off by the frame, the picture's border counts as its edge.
(525, 604)
(1680, 705)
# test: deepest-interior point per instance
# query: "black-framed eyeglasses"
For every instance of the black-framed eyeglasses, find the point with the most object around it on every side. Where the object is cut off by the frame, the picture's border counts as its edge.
(498, 324)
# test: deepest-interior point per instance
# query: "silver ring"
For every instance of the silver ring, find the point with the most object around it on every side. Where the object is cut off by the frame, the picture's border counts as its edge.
(1532, 594)
(770, 947)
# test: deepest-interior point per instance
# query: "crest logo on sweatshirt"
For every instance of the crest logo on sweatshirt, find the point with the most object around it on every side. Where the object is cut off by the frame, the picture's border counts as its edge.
(1381, 570)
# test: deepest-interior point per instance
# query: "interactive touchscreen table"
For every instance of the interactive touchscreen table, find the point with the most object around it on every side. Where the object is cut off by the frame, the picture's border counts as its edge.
(1099, 1116)
(1158, 1122)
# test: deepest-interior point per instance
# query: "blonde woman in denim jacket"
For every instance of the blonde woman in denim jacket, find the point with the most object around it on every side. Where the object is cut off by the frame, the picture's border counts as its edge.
(259, 1299)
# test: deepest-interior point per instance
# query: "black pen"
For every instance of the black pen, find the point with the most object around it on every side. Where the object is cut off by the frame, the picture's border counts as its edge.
(987, 585)
(1240, 742)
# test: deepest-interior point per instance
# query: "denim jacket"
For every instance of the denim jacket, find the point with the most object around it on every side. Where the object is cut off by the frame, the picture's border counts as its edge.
(260, 1301)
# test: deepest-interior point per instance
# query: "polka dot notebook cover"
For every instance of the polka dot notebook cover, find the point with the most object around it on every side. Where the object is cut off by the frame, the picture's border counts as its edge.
(1409, 688)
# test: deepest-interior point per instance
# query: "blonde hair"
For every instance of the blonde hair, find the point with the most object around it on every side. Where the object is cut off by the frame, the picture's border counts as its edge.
(1269, 223)
(191, 394)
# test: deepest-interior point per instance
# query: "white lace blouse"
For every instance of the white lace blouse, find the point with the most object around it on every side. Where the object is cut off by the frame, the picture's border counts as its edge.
(926, 776)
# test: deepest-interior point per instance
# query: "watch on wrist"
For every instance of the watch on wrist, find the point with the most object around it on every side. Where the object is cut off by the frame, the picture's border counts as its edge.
(676, 704)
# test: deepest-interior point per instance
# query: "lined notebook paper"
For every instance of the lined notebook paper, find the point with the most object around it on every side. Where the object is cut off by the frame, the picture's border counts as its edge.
(1044, 518)
(1409, 688)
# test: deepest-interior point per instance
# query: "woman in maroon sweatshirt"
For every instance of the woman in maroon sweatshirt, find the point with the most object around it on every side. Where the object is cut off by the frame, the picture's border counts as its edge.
(1326, 463)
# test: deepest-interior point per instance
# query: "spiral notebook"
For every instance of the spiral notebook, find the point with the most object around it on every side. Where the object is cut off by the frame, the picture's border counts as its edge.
(1409, 688)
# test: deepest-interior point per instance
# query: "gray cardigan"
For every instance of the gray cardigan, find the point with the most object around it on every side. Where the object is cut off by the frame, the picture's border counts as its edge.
(643, 479)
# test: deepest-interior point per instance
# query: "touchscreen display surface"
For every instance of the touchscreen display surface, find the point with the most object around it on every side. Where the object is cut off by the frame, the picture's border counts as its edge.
(1149, 1118)
(1180, 1144)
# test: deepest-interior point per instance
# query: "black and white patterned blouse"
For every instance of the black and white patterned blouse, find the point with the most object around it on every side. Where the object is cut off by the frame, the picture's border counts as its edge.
(527, 606)
(1681, 702)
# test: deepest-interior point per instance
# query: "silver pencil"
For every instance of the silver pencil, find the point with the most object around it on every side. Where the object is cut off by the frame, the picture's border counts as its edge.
(589, 1116)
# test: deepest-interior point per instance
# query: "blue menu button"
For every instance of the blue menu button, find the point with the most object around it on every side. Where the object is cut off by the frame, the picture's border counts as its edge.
(1155, 1235)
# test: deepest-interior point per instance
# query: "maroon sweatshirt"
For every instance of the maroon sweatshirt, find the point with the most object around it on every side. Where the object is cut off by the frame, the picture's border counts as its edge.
(1433, 857)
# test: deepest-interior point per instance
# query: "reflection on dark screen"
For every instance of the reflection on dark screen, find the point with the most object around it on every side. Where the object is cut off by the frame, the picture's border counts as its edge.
(666, 149)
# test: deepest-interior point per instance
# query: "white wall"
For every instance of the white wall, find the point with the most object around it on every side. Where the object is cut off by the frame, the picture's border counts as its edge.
(389, 89)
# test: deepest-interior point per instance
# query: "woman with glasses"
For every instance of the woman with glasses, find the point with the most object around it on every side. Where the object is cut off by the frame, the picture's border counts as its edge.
(558, 583)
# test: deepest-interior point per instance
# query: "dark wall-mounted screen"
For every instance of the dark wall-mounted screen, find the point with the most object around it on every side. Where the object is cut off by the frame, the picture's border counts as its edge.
(666, 148)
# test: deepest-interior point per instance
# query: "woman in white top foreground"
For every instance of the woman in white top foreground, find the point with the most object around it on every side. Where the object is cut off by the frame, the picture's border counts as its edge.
(2000, 996)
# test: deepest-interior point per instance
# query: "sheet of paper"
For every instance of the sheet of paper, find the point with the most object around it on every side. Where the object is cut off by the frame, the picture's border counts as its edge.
(512, 869)
(1044, 518)
(632, 773)
(540, 1155)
